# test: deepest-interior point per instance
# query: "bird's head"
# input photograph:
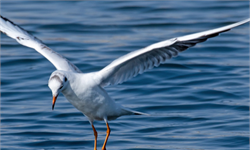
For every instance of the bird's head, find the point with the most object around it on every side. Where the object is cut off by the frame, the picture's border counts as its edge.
(57, 83)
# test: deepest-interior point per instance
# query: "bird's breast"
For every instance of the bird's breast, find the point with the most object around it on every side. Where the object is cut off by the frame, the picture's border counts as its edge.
(88, 100)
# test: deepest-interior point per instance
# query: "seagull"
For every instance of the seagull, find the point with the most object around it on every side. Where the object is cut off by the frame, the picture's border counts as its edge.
(85, 91)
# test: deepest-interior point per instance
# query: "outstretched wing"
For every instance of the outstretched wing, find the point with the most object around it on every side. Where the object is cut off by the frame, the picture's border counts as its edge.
(26, 39)
(136, 62)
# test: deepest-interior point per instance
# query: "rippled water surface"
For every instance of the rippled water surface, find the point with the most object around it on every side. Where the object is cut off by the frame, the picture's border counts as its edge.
(198, 100)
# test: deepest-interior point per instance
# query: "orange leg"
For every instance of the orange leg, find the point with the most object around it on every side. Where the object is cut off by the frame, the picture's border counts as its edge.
(107, 136)
(95, 133)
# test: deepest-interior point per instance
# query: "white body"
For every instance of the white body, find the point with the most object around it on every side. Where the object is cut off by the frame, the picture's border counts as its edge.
(91, 99)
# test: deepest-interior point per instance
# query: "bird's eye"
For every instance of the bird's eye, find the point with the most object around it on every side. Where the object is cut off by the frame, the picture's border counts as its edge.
(65, 79)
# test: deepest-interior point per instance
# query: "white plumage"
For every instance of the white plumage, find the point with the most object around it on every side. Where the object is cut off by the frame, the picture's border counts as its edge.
(85, 91)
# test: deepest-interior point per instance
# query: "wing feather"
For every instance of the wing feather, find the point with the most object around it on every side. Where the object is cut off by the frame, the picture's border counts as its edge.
(139, 61)
(26, 39)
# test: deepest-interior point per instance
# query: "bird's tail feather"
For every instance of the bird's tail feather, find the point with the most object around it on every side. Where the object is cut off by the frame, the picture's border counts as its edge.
(132, 112)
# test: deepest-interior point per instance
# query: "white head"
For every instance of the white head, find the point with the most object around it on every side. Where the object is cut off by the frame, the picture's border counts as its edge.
(57, 82)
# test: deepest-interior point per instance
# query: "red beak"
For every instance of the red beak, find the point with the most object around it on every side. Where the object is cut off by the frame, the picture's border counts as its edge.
(53, 102)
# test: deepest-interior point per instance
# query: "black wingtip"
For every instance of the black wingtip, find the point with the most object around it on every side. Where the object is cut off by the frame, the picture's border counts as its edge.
(3, 18)
(7, 20)
(137, 113)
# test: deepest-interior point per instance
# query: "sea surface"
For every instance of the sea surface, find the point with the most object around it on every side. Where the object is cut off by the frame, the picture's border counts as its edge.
(196, 101)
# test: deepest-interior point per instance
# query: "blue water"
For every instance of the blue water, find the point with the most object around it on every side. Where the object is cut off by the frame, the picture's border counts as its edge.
(198, 100)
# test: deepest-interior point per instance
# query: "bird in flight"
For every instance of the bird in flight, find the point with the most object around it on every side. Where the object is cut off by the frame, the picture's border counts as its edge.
(85, 91)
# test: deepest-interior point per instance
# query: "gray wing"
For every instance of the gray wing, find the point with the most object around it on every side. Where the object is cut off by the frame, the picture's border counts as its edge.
(26, 39)
(139, 61)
